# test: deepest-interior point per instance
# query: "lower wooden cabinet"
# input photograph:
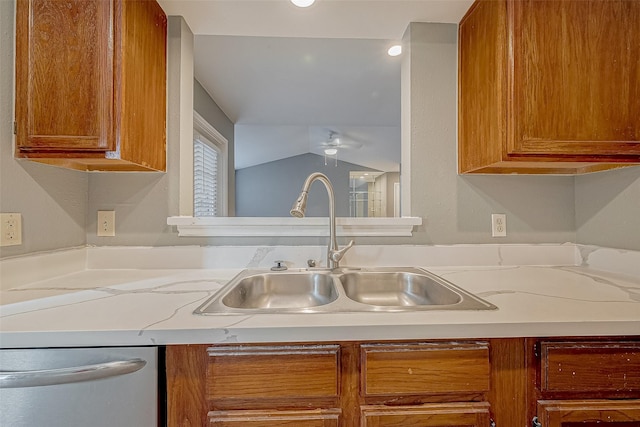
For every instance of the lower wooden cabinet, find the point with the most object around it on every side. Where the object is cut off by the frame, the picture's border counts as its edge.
(589, 413)
(253, 385)
(428, 415)
(585, 382)
(438, 383)
(511, 382)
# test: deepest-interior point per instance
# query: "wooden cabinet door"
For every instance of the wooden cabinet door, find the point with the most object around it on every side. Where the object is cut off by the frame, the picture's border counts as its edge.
(430, 415)
(603, 368)
(64, 75)
(576, 78)
(482, 86)
(549, 86)
(91, 83)
(589, 413)
(141, 83)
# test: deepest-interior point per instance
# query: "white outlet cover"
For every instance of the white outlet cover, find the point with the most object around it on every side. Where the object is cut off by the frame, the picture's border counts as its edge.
(10, 229)
(106, 226)
(498, 225)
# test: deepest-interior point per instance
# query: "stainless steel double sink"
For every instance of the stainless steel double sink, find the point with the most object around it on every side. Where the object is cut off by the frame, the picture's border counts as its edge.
(339, 290)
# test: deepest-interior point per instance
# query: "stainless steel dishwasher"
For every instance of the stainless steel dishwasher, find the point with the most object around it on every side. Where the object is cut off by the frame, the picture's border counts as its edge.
(78, 387)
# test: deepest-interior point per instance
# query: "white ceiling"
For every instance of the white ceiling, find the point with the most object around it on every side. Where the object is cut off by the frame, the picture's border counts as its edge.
(288, 76)
(360, 19)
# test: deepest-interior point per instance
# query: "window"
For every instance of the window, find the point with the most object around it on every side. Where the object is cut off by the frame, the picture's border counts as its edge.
(205, 177)
(209, 170)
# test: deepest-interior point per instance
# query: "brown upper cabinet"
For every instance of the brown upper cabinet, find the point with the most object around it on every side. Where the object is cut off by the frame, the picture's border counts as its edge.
(91, 84)
(549, 86)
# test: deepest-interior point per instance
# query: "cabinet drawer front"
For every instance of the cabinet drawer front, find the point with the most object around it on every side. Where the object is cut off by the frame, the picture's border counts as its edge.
(590, 366)
(393, 369)
(432, 415)
(264, 372)
(311, 418)
(616, 413)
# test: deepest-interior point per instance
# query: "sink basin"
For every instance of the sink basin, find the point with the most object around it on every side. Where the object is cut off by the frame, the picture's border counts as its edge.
(339, 290)
(282, 290)
(397, 289)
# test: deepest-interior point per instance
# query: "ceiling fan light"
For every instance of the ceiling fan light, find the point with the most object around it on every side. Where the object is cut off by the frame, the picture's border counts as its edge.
(330, 151)
(303, 3)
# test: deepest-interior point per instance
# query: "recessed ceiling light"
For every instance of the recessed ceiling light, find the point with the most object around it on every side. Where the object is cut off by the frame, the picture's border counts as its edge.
(330, 151)
(395, 50)
(303, 3)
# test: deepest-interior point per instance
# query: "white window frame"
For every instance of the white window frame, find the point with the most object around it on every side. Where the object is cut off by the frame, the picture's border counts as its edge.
(212, 136)
(180, 147)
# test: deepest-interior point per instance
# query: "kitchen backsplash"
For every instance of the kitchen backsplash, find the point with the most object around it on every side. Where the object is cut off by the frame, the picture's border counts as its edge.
(20, 270)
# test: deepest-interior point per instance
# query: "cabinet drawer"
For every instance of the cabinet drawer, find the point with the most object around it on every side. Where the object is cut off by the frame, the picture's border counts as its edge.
(306, 418)
(268, 372)
(432, 415)
(425, 368)
(613, 413)
(590, 366)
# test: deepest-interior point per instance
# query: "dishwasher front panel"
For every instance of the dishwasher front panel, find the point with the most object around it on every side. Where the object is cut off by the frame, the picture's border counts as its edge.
(78, 387)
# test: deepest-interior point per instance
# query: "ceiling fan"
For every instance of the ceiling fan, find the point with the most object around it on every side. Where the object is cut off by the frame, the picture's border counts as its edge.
(336, 142)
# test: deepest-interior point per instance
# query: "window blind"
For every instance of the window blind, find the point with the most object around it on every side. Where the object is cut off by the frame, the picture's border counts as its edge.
(205, 178)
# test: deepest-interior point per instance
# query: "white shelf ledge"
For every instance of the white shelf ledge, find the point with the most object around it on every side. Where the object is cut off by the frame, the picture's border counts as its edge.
(295, 227)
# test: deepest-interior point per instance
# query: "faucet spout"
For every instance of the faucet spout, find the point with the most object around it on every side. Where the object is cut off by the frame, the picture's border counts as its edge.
(334, 254)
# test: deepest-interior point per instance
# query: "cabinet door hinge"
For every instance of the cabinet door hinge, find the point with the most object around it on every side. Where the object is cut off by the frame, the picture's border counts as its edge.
(535, 422)
(15, 127)
(536, 349)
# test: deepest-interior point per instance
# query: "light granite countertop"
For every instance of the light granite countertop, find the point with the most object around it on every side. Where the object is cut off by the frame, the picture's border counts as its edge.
(120, 307)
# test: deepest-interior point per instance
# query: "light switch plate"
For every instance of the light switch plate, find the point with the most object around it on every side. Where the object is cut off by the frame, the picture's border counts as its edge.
(10, 229)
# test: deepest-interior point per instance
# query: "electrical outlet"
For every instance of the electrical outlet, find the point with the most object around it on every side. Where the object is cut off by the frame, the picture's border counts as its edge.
(10, 229)
(498, 225)
(106, 223)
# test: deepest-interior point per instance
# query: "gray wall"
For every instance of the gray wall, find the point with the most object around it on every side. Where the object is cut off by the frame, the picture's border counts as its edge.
(143, 201)
(52, 200)
(608, 208)
(271, 188)
(209, 110)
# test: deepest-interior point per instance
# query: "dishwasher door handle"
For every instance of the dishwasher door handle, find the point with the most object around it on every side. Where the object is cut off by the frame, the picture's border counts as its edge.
(14, 379)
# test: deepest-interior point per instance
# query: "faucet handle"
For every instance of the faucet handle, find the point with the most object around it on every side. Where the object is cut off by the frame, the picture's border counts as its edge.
(280, 266)
(337, 255)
